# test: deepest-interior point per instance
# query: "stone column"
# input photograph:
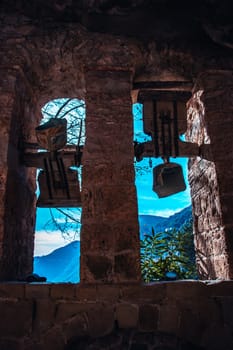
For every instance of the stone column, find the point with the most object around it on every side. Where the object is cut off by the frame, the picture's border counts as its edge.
(212, 181)
(17, 183)
(110, 249)
(7, 103)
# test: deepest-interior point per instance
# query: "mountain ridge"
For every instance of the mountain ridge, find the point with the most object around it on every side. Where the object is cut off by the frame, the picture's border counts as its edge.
(160, 223)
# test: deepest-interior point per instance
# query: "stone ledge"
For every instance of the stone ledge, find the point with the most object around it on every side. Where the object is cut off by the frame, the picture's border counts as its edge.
(68, 311)
(154, 292)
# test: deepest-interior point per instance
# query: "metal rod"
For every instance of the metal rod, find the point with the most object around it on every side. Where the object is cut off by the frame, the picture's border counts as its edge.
(156, 141)
(48, 178)
(163, 134)
(175, 129)
(52, 173)
(169, 135)
(61, 173)
(65, 178)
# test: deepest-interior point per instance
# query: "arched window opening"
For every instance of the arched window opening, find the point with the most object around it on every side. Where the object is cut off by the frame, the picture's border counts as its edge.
(165, 221)
(58, 216)
(165, 218)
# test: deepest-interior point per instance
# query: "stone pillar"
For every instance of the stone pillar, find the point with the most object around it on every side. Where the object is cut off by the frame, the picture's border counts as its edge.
(17, 183)
(110, 248)
(7, 103)
(212, 181)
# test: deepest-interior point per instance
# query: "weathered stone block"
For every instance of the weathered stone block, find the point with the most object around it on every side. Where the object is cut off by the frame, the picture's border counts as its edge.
(115, 82)
(62, 291)
(217, 336)
(226, 309)
(220, 288)
(37, 290)
(135, 346)
(100, 320)
(169, 316)
(109, 204)
(67, 309)
(44, 313)
(225, 180)
(16, 318)
(100, 267)
(11, 344)
(111, 293)
(86, 292)
(127, 315)
(122, 167)
(185, 290)
(127, 267)
(54, 339)
(127, 237)
(32, 344)
(12, 290)
(154, 293)
(190, 327)
(227, 211)
(220, 265)
(148, 317)
(76, 326)
(144, 338)
(100, 237)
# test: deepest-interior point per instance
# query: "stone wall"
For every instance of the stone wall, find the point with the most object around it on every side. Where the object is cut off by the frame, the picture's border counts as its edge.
(49, 60)
(180, 315)
(18, 182)
(210, 175)
(209, 237)
(42, 60)
(218, 101)
(208, 229)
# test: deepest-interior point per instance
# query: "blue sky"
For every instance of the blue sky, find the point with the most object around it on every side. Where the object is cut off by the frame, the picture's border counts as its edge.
(48, 238)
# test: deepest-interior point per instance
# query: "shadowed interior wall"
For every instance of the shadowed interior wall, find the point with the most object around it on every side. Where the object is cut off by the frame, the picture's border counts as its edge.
(19, 203)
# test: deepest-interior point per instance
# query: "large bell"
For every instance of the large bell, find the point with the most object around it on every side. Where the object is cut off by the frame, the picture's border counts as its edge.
(168, 179)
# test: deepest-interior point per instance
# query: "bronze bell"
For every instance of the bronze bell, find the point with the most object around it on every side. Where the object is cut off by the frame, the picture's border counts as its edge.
(168, 179)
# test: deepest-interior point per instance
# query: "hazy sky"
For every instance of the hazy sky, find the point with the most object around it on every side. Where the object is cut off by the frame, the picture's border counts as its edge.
(48, 238)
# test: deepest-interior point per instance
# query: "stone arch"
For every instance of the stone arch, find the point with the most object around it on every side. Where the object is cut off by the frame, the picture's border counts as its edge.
(24, 89)
(208, 175)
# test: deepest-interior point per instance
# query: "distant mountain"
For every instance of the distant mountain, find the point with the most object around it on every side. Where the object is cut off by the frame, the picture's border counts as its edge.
(160, 224)
(62, 265)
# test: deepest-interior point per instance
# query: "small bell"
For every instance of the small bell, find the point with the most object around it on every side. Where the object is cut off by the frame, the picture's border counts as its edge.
(52, 135)
(168, 179)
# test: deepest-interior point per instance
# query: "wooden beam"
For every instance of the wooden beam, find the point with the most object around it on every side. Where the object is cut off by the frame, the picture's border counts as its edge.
(186, 149)
(36, 159)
